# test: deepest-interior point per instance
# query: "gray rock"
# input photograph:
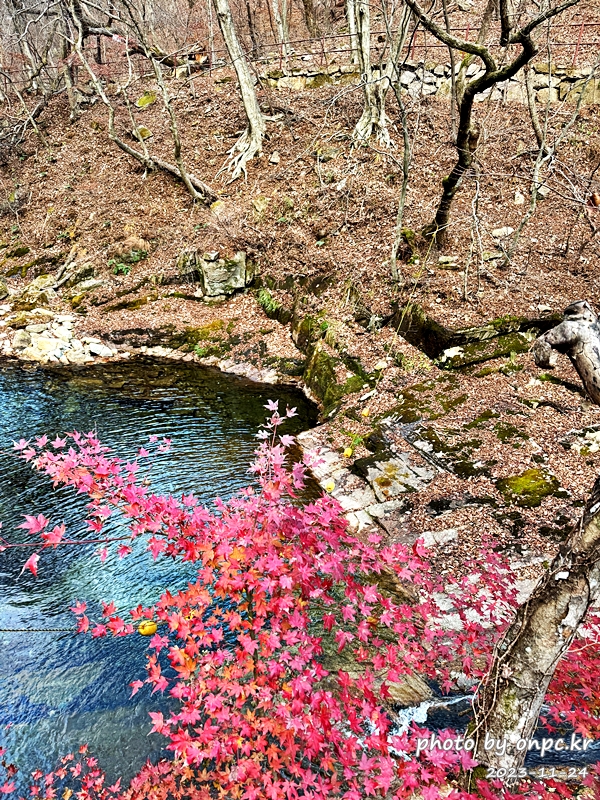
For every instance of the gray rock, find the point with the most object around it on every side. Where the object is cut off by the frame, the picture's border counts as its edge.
(32, 354)
(86, 286)
(22, 340)
(390, 478)
(407, 77)
(541, 81)
(36, 328)
(80, 274)
(45, 344)
(217, 277)
(547, 96)
(77, 357)
(432, 538)
(63, 333)
(543, 191)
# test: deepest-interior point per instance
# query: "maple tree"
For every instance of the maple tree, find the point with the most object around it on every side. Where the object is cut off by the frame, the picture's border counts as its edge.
(243, 649)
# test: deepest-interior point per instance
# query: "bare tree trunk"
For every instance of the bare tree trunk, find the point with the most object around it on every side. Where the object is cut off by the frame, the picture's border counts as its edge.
(252, 29)
(67, 73)
(211, 33)
(578, 337)
(533, 113)
(280, 25)
(310, 17)
(249, 144)
(376, 81)
(352, 31)
(509, 703)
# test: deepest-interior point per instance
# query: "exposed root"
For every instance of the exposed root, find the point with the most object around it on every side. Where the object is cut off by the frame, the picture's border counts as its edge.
(247, 147)
(373, 122)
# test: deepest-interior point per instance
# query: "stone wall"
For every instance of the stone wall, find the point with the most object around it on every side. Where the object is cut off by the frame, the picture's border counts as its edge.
(551, 83)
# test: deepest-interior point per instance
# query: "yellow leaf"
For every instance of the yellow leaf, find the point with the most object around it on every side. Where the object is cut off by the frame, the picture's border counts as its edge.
(147, 627)
(348, 452)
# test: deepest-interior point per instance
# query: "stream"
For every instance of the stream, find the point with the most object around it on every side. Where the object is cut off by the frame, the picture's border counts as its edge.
(58, 690)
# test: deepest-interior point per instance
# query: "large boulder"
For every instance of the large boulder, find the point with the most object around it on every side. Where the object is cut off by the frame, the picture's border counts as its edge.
(217, 277)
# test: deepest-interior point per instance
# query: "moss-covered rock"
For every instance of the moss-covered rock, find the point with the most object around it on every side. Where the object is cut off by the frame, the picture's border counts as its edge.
(38, 293)
(477, 352)
(17, 252)
(130, 305)
(41, 261)
(147, 99)
(306, 331)
(272, 307)
(451, 452)
(433, 339)
(528, 489)
(320, 377)
(22, 319)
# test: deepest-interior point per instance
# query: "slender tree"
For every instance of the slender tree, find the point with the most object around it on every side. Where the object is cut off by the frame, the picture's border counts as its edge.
(468, 131)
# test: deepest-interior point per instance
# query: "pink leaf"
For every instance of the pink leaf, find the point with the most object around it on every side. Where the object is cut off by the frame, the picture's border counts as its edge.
(31, 564)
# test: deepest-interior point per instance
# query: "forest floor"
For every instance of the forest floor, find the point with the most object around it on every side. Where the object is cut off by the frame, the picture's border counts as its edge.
(317, 219)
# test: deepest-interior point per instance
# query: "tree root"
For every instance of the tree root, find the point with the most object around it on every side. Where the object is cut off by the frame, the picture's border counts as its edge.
(372, 123)
(247, 147)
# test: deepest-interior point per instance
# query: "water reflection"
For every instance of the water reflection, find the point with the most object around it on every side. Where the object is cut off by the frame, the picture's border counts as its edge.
(59, 690)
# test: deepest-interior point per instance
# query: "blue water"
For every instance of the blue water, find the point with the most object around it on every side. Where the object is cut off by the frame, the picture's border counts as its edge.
(58, 690)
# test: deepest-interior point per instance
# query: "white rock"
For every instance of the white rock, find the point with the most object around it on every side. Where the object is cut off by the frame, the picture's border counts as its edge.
(63, 333)
(100, 350)
(432, 538)
(519, 198)
(45, 344)
(502, 233)
(76, 344)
